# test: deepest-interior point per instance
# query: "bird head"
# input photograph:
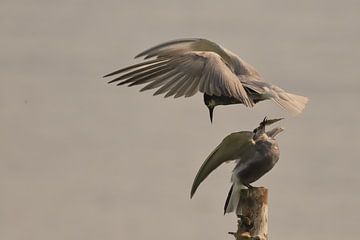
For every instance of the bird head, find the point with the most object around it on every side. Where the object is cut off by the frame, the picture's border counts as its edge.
(210, 103)
(260, 130)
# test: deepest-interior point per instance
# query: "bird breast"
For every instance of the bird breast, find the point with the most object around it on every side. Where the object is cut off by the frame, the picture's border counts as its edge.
(258, 163)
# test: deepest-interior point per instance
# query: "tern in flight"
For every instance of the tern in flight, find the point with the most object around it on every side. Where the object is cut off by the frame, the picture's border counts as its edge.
(184, 67)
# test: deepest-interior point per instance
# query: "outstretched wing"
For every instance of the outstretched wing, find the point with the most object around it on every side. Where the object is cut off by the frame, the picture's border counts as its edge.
(231, 148)
(179, 46)
(184, 67)
(176, 47)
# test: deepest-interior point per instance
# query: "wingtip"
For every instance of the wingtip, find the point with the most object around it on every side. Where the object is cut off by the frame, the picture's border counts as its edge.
(112, 81)
(138, 55)
(110, 74)
(192, 193)
(142, 54)
(193, 190)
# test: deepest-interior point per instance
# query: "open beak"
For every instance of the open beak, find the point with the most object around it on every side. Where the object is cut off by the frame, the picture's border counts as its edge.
(211, 110)
(275, 131)
(267, 122)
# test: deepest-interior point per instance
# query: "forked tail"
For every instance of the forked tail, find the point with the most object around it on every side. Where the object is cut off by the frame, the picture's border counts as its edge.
(292, 103)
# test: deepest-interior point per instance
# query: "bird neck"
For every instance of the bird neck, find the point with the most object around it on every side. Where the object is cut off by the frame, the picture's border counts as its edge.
(261, 137)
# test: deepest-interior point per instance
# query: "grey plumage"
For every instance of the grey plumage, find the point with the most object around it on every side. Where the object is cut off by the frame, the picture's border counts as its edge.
(255, 154)
(184, 67)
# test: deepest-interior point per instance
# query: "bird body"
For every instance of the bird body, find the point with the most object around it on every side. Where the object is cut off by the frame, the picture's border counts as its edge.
(259, 162)
(255, 154)
(250, 168)
(184, 67)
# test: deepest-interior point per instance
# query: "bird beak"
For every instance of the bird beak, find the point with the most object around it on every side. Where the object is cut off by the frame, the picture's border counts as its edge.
(211, 110)
(275, 131)
(267, 122)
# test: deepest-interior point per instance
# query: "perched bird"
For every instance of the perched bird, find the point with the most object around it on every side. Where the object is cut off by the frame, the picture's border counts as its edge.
(255, 154)
(184, 67)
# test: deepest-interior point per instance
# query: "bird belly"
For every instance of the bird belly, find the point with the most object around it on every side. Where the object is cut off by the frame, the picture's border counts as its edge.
(254, 171)
(220, 100)
(224, 100)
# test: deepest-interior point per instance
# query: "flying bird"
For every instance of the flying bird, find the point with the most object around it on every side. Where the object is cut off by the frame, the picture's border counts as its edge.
(184, 67)
(255, 152)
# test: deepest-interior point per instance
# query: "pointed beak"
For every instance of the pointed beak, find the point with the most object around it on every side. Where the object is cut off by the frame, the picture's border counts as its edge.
(267, 122)
(275, 131)
(211, 110)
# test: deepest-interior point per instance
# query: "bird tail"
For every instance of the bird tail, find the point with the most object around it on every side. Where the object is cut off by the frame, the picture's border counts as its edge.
(292, 103)
(233, 198)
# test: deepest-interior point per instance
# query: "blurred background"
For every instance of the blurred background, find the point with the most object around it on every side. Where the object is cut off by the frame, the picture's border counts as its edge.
(81, 159)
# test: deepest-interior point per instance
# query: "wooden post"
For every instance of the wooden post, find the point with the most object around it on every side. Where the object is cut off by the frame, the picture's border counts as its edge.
(252, 214)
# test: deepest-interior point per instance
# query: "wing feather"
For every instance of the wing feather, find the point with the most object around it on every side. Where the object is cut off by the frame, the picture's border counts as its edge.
(136, 66)
(194, 88)
(139, 71)
(153, 73)
(187, 85)
(175, 89)
(143, 78)
(168, 84)
(188, 72)
(233, 147)
(157, 82)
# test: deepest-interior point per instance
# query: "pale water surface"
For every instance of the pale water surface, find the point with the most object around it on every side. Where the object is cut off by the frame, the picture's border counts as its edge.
(80, 159)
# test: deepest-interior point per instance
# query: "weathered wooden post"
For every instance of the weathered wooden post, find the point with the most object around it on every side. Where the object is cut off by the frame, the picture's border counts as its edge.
(252, 214)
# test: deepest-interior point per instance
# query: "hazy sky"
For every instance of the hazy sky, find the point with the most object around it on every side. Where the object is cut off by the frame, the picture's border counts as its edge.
(81, 159)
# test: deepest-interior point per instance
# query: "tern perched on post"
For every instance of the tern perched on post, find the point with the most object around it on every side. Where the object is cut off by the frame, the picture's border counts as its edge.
(184, 67)
(255, 154)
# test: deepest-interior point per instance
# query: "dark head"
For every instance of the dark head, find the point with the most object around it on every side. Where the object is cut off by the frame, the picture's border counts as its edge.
(261, 128)
(210, 103)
